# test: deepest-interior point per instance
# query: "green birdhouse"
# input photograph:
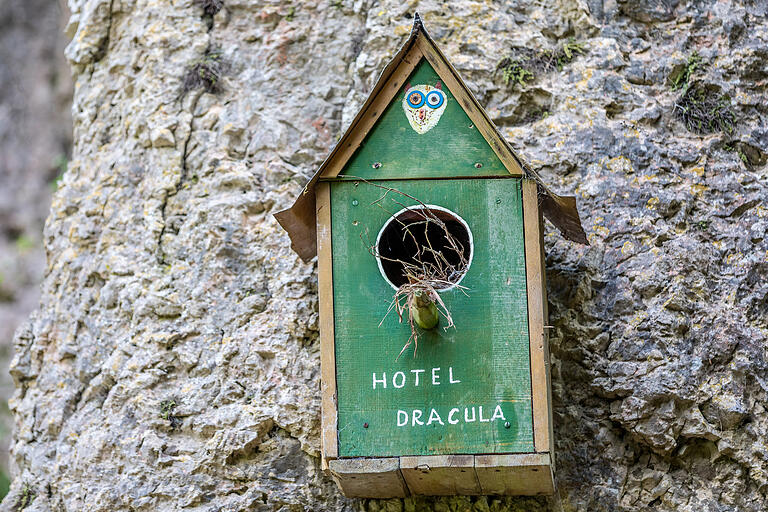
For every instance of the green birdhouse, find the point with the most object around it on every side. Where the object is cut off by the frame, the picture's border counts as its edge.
(428, 233)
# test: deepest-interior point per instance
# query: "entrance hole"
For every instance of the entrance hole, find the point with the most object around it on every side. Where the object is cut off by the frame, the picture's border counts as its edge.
(431, 238)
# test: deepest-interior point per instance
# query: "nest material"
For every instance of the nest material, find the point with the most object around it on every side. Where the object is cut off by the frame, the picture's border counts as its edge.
(433, 267)
(205, 73)
(210, 7)
(704, 110)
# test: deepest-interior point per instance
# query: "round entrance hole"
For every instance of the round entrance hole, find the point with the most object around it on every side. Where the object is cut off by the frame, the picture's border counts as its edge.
(429, 237)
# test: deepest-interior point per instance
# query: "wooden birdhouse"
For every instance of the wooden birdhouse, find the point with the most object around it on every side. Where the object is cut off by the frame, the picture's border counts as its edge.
(428, 233)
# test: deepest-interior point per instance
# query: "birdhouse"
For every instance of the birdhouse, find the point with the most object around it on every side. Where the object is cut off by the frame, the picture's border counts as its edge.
(433, 343)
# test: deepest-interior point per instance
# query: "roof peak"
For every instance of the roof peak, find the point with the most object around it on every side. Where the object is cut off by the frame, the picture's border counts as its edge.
(418, 25)
(300, 219)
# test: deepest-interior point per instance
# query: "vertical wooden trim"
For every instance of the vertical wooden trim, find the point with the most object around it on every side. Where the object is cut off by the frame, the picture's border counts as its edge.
(372, 114)
(329, 418)
(547, 365)
(534, 271)
(451, 78)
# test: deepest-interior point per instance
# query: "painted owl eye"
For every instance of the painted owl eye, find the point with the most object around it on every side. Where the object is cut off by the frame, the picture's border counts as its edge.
(435, 99)
(415, 99)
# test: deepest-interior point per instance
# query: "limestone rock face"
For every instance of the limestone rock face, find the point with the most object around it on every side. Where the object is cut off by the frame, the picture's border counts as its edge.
(173, 361)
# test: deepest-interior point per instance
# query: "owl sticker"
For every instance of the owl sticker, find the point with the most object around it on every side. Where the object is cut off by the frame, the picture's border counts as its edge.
(423, 106)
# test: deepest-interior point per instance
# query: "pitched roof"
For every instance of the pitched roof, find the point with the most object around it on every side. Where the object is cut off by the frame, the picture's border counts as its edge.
(300, 219)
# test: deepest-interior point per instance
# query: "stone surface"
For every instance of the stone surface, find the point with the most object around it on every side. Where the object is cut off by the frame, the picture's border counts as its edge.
(173, 363)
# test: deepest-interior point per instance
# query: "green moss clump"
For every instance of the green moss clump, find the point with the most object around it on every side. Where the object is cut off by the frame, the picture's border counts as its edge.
(522, 64)
(702, 225)
(167, 408)
(513, 71)
(563, 54)
(25, 499)
(681, 76)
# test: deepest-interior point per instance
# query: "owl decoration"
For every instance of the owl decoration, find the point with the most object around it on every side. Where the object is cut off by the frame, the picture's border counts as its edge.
(424, 105)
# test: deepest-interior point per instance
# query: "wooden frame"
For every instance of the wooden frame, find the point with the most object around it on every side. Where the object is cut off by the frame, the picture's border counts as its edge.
(519, 474)
(503, 474)
(537, 318)
(329, 416)
(386, 477)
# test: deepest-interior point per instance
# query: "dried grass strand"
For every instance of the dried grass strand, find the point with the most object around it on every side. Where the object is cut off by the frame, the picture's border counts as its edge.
(425, 276)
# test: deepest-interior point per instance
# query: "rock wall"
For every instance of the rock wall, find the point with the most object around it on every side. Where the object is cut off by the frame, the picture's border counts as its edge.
(35, 140)
(173, 362)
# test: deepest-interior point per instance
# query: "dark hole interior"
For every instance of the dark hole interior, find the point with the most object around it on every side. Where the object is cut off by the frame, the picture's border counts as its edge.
(396, 244)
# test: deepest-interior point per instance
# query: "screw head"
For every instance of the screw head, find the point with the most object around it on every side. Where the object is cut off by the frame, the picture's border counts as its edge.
(354, 202)
(507, 425)
(376, 165)
(478, 165)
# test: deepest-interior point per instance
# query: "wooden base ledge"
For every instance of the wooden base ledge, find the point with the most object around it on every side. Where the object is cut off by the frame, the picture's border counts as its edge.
(526, 474)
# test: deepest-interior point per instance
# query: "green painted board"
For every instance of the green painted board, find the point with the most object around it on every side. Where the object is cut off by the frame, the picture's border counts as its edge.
(487, 352)
(452, 147)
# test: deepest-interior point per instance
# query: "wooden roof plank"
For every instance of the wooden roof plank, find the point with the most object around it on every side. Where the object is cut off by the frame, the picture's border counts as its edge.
(371, 113)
